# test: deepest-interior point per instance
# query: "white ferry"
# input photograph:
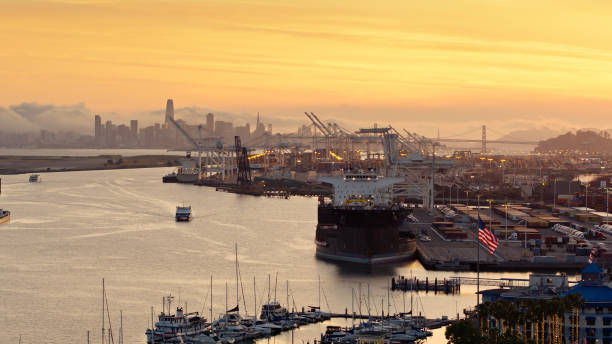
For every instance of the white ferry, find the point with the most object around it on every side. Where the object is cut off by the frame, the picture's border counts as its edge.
(183, 213)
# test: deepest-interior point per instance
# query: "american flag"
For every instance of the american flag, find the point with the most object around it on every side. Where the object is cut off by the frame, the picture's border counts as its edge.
(486, 237)
(592, 255)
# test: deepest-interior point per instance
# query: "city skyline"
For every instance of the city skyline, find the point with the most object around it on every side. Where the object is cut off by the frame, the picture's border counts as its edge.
(424, 65)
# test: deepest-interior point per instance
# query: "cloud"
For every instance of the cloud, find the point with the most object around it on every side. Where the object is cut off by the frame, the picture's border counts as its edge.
(33, 117)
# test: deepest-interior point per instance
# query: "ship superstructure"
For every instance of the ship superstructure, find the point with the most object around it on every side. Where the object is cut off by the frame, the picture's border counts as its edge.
(362, 224)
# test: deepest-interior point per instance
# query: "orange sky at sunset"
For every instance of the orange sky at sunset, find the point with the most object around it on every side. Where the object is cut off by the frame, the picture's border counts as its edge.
(424, 64)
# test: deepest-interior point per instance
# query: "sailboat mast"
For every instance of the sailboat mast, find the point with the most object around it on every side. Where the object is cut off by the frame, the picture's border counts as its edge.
(103, 311)
(319, 292)
(388, 303)
(255, 297)
(368, 300)
(275, 285)
(237, 292)
(288, 295)
(120, 327)
(353, 305)
(211, 300)
(269, 288)
(360, 315)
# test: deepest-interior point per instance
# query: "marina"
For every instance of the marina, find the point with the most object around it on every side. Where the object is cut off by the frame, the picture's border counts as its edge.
(85, 234)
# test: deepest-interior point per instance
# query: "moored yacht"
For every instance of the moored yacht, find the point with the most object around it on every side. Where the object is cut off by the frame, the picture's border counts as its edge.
(272, 311)
(181, 328)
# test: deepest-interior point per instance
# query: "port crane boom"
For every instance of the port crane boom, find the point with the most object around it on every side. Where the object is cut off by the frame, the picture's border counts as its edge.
(197, 144)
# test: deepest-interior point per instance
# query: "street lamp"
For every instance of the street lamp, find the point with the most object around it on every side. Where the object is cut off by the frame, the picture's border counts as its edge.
(586, 197)
(554, 195)
(506, 230)
(467, 197)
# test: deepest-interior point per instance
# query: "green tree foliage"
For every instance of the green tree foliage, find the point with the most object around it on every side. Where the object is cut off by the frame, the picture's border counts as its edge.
(511, 320)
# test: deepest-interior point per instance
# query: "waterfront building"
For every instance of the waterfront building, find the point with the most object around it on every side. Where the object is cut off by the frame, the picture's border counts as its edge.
(591, 323)
(595, 317)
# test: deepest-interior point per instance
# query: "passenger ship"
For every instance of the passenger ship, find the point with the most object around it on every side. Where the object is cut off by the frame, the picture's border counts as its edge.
(362, 224)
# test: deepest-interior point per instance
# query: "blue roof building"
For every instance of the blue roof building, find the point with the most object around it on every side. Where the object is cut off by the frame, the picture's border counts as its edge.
(592, 323)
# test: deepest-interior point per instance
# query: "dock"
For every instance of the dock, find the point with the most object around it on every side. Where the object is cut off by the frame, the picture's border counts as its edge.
(447, 286)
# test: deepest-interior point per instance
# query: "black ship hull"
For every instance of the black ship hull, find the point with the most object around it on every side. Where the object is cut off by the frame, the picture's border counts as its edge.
(365, 236)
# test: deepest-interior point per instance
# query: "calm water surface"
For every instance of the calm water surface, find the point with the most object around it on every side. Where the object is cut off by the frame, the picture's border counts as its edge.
(75, 228)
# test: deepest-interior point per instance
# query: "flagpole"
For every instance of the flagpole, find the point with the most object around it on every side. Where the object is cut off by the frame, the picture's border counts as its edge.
(478, 255)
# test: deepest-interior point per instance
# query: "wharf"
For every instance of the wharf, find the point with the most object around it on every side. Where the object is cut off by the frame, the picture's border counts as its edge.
(281, 188)
(445, 254)
(450, 286)
(428, 323)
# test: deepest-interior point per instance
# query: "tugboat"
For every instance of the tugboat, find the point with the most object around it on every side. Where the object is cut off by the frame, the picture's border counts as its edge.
(183, 213)
(362, 224)
(35, 178)
(170, 178)
(5, 216)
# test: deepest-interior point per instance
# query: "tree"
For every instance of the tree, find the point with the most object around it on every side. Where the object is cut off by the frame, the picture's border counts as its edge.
(463, 332)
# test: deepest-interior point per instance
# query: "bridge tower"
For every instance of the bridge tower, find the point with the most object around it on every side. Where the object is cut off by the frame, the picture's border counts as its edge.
(483, 150)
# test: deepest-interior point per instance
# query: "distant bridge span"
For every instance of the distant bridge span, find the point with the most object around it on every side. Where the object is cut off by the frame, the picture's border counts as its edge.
(488, 141)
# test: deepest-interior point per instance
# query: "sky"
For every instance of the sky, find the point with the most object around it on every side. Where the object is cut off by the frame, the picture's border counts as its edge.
(428, 66)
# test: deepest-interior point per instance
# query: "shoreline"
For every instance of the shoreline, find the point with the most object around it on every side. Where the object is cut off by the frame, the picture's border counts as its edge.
(12, 165)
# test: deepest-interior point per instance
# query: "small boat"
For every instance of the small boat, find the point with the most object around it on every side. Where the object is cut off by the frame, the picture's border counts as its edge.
(183, 213)
(35, 178)
(170, 178)
(5, 216)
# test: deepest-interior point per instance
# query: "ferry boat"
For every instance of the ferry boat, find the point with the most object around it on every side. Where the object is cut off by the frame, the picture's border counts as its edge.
(362, 224)
(35, 178)
(183, 213)
(5, 216)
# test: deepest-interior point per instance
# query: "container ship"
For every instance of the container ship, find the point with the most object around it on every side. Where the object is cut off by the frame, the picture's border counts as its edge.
(361, 224)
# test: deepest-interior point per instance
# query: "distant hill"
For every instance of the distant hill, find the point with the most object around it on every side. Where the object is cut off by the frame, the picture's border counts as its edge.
(535, 134)
(584, 140)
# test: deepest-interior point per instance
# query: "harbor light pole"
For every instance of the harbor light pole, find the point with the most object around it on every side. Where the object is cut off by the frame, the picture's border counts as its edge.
(586, 197)
(478, 261)
(506, 230)
(607, 203)
(554, 195)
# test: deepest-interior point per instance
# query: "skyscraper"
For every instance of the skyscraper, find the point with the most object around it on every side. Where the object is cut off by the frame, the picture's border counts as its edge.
(134, 129)
(210, 124)
(169, 111)
(98, 129)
